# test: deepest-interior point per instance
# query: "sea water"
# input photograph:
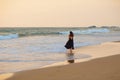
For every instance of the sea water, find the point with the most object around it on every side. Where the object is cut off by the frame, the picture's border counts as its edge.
(29, 48)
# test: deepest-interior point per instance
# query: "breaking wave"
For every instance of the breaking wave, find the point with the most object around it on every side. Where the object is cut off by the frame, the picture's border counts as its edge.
(9, 36)
(88, 31)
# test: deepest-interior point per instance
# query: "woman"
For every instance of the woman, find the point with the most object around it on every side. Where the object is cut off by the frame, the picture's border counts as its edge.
(70, 45)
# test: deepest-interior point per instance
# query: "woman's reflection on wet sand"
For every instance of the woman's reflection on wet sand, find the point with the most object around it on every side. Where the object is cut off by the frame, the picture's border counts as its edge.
(70, 57)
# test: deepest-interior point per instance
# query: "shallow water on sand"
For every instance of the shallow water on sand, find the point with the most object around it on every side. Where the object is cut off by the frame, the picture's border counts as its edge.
(34, 50)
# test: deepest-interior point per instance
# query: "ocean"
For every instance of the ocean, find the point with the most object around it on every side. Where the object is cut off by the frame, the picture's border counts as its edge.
(30, 48)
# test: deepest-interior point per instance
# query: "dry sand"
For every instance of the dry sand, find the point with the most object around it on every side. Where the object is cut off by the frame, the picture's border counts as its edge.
(104, 65)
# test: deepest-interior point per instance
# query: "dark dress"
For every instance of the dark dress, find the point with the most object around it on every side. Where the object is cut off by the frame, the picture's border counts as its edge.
(69, 44)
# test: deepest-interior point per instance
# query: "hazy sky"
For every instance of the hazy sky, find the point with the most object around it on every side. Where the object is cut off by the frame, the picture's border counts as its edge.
(41, 13)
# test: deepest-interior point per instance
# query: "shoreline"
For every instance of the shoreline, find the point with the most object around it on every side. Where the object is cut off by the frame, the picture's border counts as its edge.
(106, 49)
(76, 51)
(105, 68)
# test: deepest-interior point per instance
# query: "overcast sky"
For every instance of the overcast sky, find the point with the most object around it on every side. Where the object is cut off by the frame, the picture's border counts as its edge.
(56, 13)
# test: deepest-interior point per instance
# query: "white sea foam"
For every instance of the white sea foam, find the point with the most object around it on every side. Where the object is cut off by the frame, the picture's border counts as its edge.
(88, 31)
(9, 36)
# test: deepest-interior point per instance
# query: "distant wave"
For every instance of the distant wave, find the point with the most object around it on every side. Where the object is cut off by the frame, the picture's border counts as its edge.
(43, 32)
(9, 36)
(88, 31)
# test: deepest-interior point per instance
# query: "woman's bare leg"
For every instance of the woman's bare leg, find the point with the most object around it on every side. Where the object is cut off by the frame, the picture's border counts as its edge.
(70, 51)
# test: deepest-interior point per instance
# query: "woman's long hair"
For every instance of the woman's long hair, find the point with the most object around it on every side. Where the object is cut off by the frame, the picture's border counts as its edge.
(71, 34)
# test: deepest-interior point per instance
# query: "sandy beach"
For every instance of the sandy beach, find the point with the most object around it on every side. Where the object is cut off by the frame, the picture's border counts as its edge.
(103, 65)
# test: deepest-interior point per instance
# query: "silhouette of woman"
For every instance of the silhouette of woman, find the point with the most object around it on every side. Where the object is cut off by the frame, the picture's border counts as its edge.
(70, 45)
